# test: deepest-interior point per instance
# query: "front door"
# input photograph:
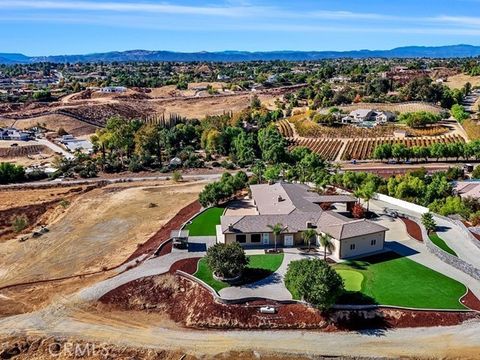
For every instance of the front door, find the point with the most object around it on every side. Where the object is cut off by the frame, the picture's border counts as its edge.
(288, 240)
(265, 239)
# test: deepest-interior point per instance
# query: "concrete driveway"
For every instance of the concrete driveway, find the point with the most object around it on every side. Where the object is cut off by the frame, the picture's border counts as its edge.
(272, 287)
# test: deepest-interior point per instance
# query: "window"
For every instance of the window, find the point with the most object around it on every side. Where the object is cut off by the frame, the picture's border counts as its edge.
(352, 246)
(255, 238)
(373, 242)
(242, 238)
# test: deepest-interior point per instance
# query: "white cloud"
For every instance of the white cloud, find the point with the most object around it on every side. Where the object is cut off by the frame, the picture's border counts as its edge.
(164, 8)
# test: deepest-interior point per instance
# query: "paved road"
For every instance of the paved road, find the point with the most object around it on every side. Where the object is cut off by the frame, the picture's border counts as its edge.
(55, 148)
(456, 239)
(153, 266)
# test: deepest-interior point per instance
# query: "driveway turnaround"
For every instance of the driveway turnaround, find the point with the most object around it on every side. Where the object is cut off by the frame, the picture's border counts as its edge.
(272, 287)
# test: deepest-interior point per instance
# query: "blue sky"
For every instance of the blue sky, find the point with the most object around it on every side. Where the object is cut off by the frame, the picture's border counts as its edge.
(41, 27)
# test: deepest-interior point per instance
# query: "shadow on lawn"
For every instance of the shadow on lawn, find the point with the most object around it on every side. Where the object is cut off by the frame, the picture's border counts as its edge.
(253, 275)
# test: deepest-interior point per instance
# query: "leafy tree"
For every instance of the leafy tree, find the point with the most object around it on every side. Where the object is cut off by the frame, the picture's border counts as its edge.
(325, 241)
(450, 205)
(272, 172)
(309, 235)
(476, 173)
(226, 260)
(419, 119)
(272, 145)
(429, 222)
(244, 149)
(315, 282)
(367, 191)
(459, 113)
(10, 173)
(383, 151)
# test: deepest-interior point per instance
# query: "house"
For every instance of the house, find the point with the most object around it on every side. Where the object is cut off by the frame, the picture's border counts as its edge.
(14, 134)
(361, 116)
(113, 89)
(298, 208)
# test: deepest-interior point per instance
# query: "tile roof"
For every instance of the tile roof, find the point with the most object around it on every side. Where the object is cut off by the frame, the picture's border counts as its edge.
(293, 206)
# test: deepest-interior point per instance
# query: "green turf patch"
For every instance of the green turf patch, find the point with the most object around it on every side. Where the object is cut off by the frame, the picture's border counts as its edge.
(351, 279)
(441, 244)
(205, 223)
(259, 267)
(390, 279)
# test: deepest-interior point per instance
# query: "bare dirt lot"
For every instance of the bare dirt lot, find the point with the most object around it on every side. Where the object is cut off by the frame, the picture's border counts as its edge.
(24, 153)
(458, 81)
(95, 110)
(98, 230)
(52, 122)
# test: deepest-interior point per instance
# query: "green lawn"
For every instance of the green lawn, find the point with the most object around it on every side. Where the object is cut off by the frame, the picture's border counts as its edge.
(390, 279)
(352, 279)
(205, 223)
(441, 244)
(259, 267)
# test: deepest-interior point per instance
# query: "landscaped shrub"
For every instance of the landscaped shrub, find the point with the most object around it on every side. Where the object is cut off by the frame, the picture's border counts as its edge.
(226, 260)
(314, 281)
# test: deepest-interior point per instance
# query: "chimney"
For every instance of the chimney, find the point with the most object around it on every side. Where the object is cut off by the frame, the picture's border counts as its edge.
(230, 227)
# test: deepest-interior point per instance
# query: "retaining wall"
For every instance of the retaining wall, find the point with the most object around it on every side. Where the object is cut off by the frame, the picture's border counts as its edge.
(402, 203)
(446, 257)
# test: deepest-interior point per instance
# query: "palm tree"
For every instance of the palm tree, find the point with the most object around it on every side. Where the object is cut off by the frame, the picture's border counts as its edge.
(277, 229)
(308, 235)
(325, 241)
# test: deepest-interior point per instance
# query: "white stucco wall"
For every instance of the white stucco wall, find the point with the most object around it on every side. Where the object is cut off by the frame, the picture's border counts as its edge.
(220, 235)
(362, 245)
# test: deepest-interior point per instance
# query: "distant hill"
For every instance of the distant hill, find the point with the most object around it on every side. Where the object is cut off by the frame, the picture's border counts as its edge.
(451, 51)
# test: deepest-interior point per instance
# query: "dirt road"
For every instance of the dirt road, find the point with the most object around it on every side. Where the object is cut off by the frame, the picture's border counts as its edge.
(141, 330)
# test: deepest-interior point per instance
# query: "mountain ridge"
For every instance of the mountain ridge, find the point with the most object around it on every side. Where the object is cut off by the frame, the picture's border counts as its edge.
(448, 51)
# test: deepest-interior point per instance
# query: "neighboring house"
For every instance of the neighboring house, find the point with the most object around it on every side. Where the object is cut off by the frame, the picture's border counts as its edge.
(14, 134)
(113, 89)
(298, 208)
(368, 115)
(73, 144)
(468, 189)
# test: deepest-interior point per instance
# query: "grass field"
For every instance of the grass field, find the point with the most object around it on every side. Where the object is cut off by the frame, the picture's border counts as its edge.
(259, 267)
(441, 244)
(205, 223)
(390, 279)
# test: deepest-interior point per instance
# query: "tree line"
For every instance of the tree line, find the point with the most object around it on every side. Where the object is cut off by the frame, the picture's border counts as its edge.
(437, 151)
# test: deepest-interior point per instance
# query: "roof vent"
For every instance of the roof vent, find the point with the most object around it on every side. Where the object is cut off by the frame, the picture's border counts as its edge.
(230, 227)
(280, 198)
